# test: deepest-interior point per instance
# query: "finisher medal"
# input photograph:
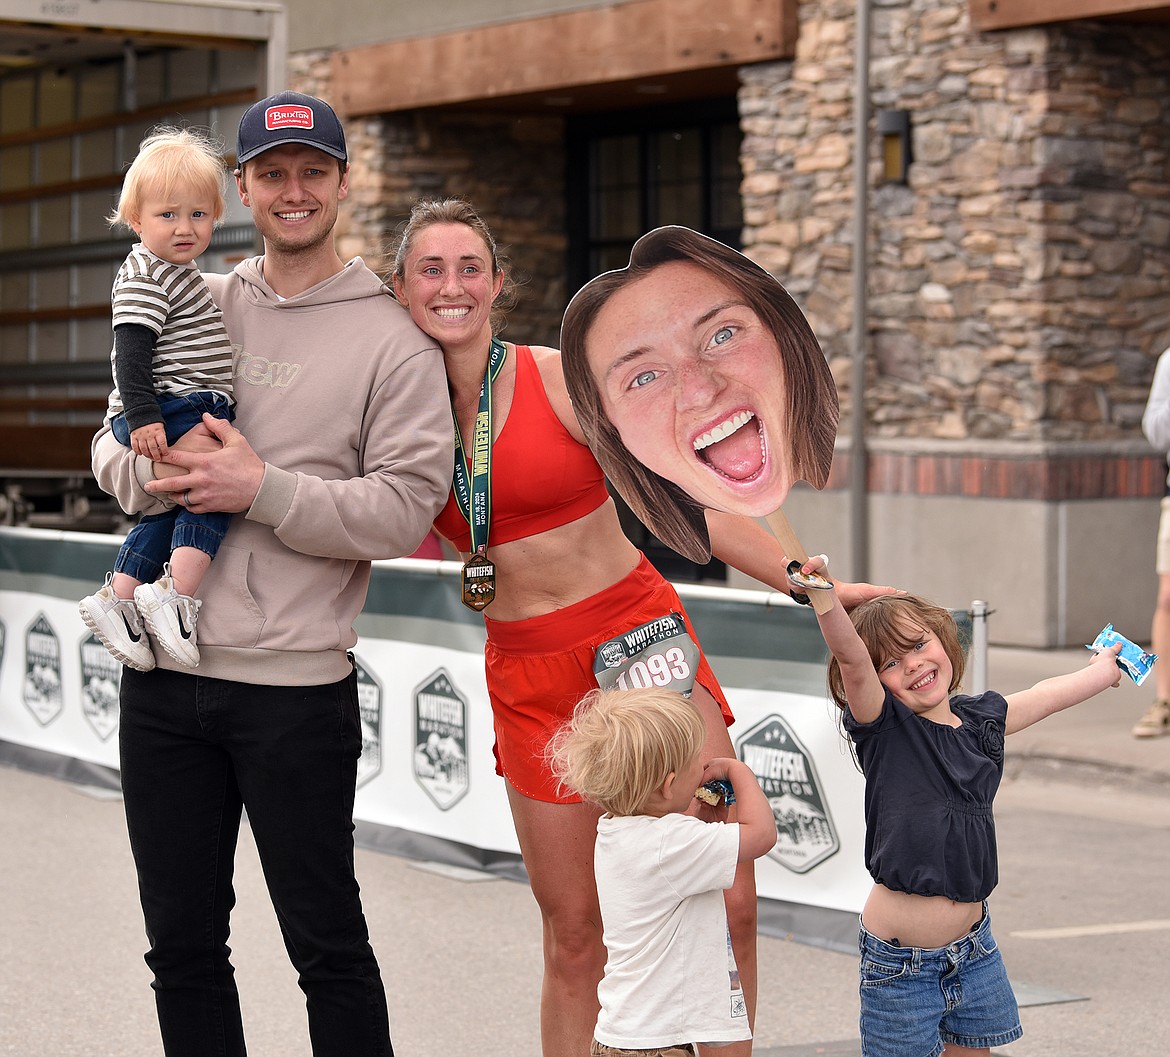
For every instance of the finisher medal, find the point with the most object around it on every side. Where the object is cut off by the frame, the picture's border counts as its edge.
(472, 487)
(478, 581)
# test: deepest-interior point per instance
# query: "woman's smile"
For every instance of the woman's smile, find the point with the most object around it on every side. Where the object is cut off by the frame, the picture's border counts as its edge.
(735, 448)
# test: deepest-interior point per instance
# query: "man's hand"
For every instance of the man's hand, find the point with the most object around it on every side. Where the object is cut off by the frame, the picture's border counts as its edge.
(197, 438)
(210, 468)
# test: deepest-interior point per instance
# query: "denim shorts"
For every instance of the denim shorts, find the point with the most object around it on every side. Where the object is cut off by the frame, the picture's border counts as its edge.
(914, 1000)
(179, 414)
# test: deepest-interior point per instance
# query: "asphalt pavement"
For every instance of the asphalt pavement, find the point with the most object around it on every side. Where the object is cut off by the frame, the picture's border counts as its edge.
(461, 951)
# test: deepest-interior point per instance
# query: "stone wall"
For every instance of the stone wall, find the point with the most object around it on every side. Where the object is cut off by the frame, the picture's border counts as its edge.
(1018, 284)
(1017, 300)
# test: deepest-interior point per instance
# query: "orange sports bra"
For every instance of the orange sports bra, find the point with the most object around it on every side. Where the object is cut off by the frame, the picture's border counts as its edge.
(542, 477)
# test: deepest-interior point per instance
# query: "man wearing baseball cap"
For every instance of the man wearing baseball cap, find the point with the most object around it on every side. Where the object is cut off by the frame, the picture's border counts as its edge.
(340, 454)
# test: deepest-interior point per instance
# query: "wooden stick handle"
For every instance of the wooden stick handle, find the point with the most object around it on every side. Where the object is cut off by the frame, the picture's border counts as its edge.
(778, 522)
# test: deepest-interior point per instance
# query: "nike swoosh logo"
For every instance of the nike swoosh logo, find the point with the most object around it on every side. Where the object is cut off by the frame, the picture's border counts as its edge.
(135, 636)
(183, 629)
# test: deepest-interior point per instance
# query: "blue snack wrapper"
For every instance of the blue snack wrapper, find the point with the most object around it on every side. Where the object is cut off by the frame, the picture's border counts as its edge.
(1132, 659)
(719, 789)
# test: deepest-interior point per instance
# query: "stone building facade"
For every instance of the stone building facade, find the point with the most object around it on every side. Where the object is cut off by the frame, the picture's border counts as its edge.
(1018, 285)
(1018, 282)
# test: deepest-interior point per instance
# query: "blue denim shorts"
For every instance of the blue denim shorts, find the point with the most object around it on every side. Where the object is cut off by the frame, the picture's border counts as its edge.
(913, 1000)
(179, 414)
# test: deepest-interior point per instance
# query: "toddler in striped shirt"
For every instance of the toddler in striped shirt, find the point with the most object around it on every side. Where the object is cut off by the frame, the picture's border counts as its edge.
(172, 362)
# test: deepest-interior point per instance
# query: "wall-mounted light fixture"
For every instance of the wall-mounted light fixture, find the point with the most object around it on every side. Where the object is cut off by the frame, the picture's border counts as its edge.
(893, 127)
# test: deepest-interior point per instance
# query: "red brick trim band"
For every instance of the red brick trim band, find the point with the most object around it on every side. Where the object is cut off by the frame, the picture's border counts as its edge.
(1048, 479)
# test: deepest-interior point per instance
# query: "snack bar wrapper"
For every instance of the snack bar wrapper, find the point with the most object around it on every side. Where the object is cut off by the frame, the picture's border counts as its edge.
(1132, 659)
(718, 789)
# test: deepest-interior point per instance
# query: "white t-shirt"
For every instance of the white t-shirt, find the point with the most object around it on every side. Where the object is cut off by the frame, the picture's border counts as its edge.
(670, 978)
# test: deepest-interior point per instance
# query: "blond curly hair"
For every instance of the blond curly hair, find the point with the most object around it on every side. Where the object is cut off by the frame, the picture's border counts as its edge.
(170, 158)
(619, 746)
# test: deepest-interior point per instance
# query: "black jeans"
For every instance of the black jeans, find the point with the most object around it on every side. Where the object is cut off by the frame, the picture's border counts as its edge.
(195, 752)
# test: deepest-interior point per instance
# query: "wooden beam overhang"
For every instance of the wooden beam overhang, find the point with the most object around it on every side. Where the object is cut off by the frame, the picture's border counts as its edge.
(1014, 14)
(661, 50)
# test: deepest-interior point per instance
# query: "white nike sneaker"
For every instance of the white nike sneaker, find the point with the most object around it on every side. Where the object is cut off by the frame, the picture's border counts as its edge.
(170, 618)
(116, 623)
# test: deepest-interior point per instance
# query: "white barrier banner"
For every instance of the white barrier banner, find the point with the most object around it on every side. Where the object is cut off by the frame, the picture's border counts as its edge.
(427, 767)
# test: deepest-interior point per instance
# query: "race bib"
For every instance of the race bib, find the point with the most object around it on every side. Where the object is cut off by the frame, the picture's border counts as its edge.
(659, 653)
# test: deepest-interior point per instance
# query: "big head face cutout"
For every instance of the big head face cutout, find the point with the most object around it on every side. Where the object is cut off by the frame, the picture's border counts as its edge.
(699, 384)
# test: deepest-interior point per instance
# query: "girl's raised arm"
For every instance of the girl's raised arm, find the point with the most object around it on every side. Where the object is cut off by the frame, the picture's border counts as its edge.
(1063, 691)
(863, 688)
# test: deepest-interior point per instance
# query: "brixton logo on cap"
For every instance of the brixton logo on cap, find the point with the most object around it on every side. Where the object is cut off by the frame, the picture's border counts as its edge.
(288, 117)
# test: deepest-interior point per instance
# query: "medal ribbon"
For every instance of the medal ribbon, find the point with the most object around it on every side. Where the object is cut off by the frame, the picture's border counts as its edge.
(472, 484)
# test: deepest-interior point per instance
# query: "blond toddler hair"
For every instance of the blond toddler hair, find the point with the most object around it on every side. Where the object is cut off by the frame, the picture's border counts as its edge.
(619, 746)
(169, 158)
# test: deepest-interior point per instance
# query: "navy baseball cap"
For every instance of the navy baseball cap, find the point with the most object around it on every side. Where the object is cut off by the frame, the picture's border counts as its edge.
(289, 117)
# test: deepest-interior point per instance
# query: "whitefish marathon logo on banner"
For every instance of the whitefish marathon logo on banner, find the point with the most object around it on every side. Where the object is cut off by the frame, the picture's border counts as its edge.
(440, 740)
(101, 676)
(369, 692)
(42, 671)
(787, 775)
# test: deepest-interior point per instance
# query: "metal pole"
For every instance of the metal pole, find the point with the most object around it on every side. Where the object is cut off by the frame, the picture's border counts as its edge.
(858, 465)
(979, 615)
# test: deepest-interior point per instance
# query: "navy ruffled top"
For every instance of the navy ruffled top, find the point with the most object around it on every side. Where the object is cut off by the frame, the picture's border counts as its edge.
(928, 795)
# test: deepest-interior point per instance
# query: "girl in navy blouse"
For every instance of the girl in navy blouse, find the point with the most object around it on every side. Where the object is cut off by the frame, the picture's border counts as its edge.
(932, 980)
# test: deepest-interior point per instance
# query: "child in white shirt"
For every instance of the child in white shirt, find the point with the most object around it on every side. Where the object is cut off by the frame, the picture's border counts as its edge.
(670, 978)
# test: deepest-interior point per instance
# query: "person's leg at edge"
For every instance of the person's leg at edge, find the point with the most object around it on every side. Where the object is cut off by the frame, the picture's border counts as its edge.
(1160, 645)
(295, 751)
(951, 1050)
(1160, 639)
(556, 841)
(740, 898)
(1156, 720)
(183, 815)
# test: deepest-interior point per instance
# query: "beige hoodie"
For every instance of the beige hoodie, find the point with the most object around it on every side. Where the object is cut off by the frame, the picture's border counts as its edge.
(345, 400)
